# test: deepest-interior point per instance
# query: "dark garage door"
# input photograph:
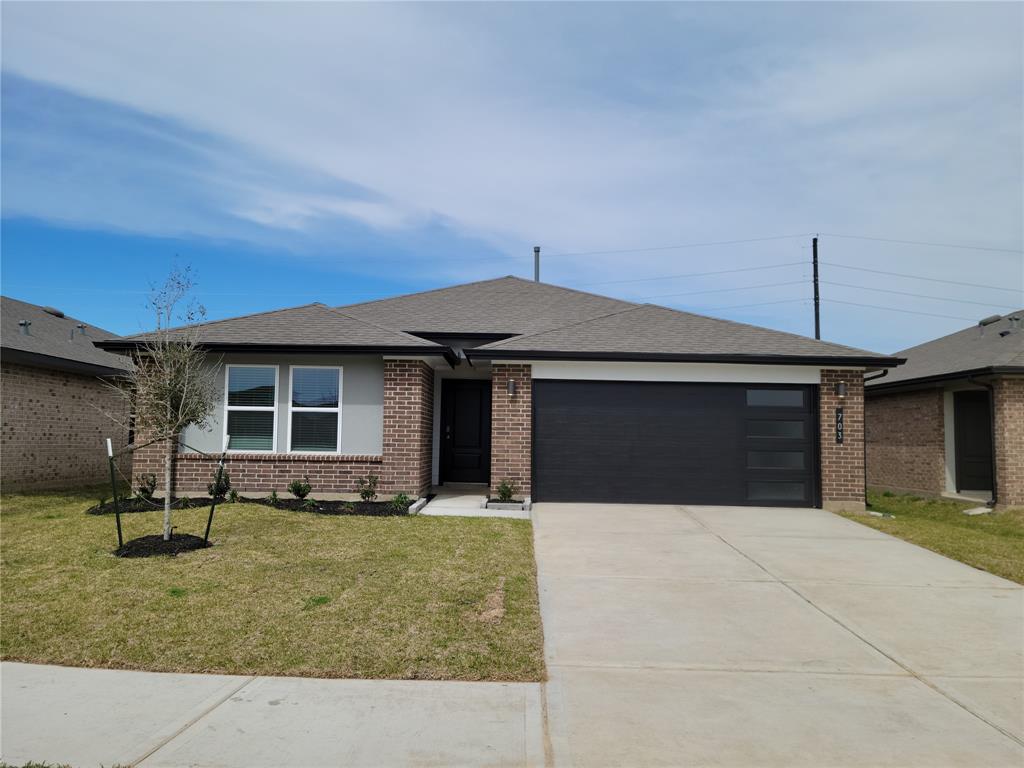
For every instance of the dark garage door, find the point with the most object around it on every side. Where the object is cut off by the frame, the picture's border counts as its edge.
(671, 443)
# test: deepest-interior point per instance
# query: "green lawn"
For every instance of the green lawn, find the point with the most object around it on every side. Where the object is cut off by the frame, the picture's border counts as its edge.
(993, 543)
(280, 593)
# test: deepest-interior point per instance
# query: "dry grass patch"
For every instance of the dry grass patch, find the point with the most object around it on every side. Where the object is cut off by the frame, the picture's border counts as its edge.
(993, 543)
(279, 593)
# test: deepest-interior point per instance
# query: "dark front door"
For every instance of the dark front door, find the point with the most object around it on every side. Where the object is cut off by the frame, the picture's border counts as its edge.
(465, 431)
(665, 443)
(972, 432)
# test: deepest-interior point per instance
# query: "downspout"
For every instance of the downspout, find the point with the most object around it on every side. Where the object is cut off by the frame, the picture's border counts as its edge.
(992, 433)
(864, 441)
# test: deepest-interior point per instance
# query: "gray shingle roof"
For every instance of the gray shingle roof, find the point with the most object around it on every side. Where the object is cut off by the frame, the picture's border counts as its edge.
(310, 325)
(51, 336)
(967, 350)
(648, 329)
(504, 305)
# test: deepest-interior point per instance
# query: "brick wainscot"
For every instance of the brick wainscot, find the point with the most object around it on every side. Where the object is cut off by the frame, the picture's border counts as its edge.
(403, 466)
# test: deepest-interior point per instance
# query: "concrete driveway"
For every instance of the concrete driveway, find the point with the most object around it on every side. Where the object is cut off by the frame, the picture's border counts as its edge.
(770, 637)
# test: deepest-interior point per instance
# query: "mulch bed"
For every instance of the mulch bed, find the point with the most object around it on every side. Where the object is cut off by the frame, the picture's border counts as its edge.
(149, 546)
(315, 506)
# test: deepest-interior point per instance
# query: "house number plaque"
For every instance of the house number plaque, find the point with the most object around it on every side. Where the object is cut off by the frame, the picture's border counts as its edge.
(840, 425)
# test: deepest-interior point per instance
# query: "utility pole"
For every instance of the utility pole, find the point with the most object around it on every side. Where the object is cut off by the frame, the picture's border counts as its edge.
(536, 263)
(817, 301)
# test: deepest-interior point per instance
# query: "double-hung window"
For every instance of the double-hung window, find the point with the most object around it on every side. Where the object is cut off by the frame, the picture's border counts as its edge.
(250, 422)
(315, 409)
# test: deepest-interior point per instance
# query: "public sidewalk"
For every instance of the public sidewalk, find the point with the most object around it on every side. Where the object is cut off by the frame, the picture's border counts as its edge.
(93, 717)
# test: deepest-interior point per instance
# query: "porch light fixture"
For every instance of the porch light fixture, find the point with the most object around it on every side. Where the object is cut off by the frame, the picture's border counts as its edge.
(841, 389)
(511, 386)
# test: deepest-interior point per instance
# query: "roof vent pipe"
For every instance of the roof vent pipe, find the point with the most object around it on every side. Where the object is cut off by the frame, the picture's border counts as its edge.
(24, 324)
(536, 263)
(81, 328)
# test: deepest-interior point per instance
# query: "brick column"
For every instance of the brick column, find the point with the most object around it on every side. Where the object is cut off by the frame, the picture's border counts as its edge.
(408, 426)
(842, 465)
(1008, 427)
(511, 427)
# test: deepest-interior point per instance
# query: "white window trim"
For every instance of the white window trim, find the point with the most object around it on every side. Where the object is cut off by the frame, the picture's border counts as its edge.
(229, 408)
(292, 408)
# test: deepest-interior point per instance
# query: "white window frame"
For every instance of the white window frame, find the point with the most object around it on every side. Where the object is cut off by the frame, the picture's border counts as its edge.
(228, 408)
(292, 408)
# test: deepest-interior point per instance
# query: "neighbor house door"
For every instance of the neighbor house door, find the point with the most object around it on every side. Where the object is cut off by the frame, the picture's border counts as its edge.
(972, 431)
(465, 431)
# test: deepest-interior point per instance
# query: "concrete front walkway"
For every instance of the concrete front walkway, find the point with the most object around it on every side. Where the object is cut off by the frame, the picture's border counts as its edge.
(704, 636)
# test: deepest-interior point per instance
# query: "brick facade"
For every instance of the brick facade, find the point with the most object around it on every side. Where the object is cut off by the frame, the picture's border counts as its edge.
(55, 427)
(1009, 441)
(905, 441)
(511, 427)
(842, 465)
(404, 465)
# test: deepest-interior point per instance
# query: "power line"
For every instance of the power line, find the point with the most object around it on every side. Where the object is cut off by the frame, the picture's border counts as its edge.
(920, 242)
(696, 274)
(917, 295)
(905, 311)
(675, 247)
(922, 277)
(724, 290)
(755, 304)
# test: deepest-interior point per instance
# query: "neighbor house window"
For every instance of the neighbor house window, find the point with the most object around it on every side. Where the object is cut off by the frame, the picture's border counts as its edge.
(315, 410)
(251, 405)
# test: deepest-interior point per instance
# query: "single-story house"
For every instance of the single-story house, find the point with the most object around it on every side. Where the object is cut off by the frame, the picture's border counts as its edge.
(570, 396)
(951, 421)
(56, 404)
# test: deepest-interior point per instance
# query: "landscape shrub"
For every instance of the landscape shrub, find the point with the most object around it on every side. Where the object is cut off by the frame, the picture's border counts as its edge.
(300, 489)
(221, 488)
(146, 486)
(367, 487)
(506, 490)
(401, 502)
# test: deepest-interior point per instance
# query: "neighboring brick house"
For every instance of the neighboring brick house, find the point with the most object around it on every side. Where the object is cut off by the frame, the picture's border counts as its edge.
(951, 421)
(570, 396)
(55, 400)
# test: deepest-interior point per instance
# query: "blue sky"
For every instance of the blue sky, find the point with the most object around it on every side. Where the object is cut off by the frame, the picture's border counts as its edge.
(337, 152)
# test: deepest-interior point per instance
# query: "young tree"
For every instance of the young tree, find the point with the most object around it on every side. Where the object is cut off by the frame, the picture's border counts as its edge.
(170, 386)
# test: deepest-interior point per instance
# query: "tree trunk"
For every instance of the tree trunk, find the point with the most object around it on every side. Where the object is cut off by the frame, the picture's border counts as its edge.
(168, 485)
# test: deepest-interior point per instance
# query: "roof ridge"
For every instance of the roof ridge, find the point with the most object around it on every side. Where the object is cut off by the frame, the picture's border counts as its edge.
(403, 334)
(206, 323)
(429, 290)
(756, 327)
(497, 344)
(576, 290)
